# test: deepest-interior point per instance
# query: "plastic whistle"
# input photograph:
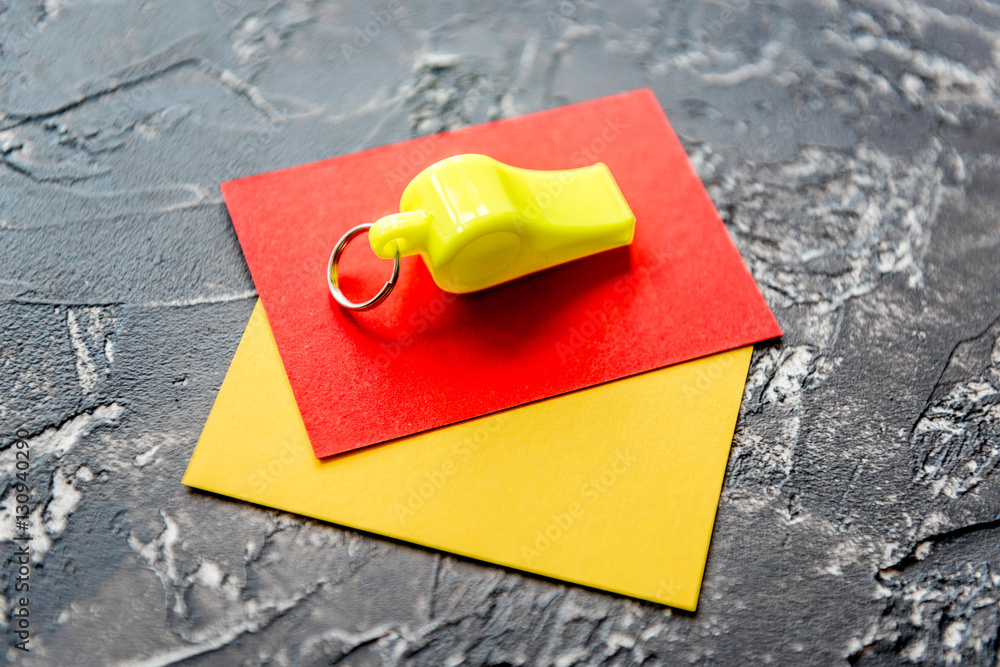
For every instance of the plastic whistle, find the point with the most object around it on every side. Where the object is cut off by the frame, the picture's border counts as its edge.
(478, 223)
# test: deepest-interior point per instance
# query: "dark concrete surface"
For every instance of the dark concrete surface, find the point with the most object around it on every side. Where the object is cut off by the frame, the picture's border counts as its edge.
(852, 150)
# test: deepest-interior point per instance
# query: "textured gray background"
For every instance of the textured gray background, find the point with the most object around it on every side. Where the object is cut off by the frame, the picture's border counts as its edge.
(852, 149)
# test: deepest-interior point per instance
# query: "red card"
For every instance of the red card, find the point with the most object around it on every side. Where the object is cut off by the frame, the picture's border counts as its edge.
(425, 358)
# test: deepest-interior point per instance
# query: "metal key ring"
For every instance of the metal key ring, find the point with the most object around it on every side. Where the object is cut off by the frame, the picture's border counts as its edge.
(331, 273)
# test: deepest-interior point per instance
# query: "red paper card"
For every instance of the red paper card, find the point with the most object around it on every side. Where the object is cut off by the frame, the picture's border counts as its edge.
(425, 358)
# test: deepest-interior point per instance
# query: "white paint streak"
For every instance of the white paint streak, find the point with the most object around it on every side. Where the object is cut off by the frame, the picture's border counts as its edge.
(58, 441)
(40, 542)
(147, 456)
(746, 71)
(255, 618)
(953, 634)
(86, 370)
(200, 300)
(209, 574)
(957, 434)
(65, 498)
(159, 556)
(435, 61)
(7, 516)
(916, 652)
(790, 374)
(572, 657)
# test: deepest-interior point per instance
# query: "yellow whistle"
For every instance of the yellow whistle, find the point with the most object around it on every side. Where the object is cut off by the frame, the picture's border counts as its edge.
(478, 223)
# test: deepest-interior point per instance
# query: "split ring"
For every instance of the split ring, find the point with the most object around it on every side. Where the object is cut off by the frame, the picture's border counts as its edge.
(331, 273)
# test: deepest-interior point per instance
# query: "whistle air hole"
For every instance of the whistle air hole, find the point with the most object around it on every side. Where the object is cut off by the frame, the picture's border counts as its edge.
(389, 249)
(485, 259)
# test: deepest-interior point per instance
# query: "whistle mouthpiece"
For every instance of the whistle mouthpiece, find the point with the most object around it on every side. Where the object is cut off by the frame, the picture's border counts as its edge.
(404, 233)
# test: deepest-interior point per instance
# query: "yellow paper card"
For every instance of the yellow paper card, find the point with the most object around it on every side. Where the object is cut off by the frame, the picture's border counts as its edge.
(613, 487)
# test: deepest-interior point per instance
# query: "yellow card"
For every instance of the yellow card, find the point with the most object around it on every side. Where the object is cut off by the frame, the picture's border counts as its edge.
(613, 487)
